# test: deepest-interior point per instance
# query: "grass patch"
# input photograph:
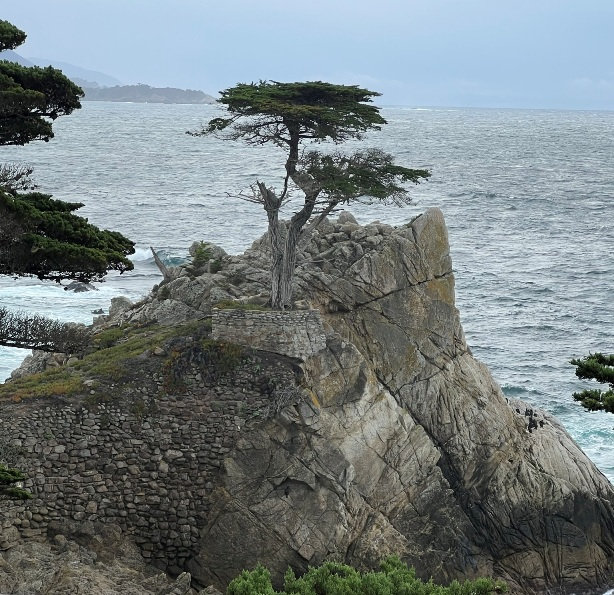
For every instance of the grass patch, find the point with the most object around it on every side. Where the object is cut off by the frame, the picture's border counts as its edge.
(113, 361)
(50, 383)
(108, 337)
(232, 305)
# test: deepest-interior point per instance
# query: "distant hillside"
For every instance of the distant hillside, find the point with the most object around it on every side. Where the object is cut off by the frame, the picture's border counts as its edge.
(81, 76)
(99, 86)
(146, 94)
(12, 56)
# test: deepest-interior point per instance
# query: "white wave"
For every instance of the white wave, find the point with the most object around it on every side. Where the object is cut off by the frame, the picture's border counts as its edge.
(141, 254)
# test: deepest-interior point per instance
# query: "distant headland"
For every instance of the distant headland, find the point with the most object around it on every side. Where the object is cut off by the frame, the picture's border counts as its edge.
(99, 86)
(145, 94)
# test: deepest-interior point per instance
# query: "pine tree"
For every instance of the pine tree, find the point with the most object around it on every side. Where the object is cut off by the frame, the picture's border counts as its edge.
(599, 367)
(41, 236)
(288, 115)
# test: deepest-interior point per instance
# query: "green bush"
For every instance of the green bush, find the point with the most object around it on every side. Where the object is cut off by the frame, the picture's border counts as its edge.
(202, 254)
(257, 581)
(8, 478)
(221, 357)
(333, 578)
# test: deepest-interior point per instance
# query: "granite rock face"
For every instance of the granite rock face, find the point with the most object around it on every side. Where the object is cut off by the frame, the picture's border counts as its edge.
(407, 445)
(384, 436)
(84, 559)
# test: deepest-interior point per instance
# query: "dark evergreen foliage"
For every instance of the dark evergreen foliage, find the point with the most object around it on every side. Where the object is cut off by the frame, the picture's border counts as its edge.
(10, 36)
(281, 112)
(289, 115)
(333, 578)
(599, 367)
(8, 480)
(42, 236)
(31, 96)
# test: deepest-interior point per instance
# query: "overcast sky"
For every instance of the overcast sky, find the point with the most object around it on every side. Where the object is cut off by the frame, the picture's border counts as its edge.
(483, 53)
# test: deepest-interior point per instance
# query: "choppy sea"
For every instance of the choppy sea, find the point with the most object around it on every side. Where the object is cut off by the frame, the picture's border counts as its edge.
(527, 195)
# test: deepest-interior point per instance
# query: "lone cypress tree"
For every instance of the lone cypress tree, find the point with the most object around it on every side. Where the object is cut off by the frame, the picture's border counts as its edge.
(599, 367)
(288, 115)
(41, 236)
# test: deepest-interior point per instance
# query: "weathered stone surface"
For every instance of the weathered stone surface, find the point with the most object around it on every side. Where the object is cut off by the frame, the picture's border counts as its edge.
(297, 334)
(168, 312)
(106, 563)
(409, 445)
(388, 438)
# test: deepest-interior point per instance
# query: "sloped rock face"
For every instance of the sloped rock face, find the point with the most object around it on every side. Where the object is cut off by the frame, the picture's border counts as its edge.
(386, 436)
(85, 559)
(406, 444)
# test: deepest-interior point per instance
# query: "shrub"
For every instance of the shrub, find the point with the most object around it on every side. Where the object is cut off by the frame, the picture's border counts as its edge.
(8, 478)
(202, 254)
(258, 581)
(221, 357)
(333, 578)
(108, 337)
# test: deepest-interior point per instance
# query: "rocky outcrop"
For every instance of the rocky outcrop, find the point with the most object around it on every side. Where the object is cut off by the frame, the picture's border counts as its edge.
(388, 437)
(410, 447)
(85, 558)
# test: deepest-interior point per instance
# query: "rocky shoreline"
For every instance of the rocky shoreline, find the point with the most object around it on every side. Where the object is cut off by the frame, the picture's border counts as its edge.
(356, 426)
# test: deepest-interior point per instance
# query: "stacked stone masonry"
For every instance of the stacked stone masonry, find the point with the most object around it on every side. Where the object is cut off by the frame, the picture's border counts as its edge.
(147, 463)
(298, 334)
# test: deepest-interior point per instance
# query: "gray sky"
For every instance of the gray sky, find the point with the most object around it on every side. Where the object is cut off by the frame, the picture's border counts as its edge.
(490, 53)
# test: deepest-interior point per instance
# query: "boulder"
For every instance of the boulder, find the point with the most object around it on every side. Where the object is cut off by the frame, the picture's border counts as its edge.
(80, 287)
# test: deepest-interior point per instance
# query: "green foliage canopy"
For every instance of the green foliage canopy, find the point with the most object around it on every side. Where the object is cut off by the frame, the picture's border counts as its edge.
(288, 115)
(283, 113)
(42, 236)
(31, 96)
(332, 578)
(599, 367)
(39, 235)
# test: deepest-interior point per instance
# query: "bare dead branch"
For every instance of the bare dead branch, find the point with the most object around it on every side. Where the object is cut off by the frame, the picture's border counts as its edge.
(31, 331)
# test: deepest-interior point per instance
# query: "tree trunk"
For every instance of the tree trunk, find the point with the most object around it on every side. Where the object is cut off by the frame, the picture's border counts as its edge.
(272, 204)
(166, 273)
(277, 265)
(295, 230)
(288, 266)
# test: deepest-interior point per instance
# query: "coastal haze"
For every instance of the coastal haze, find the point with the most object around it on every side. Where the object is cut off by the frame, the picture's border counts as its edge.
(476, 53)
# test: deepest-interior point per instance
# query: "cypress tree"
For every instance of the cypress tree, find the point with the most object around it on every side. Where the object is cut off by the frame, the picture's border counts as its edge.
(599, 367)
(41, 236)
(288, 115)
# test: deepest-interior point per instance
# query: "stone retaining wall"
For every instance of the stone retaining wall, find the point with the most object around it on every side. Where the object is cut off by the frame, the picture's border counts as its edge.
(298, 334)
(147, 463)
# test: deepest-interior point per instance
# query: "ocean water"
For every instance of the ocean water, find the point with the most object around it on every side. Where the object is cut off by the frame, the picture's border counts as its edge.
(527, 197)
